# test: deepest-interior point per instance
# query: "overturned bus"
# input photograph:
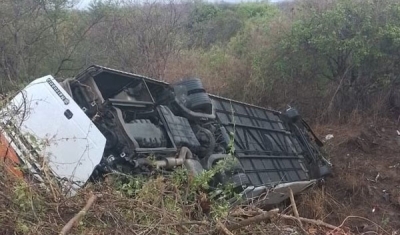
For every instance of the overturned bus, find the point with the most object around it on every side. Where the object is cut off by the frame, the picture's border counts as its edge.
(104, 121)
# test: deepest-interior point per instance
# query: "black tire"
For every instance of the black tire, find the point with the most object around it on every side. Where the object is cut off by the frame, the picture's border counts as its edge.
(200, 102)
(193, 85)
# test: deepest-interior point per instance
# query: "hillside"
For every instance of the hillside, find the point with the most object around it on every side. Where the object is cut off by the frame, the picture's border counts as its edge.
(336, 61)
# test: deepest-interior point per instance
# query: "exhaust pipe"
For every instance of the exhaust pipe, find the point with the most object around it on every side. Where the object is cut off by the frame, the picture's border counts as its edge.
(185, 157)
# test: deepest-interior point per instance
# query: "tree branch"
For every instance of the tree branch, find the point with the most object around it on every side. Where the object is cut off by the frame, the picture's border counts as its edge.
(311, 221)
(256, 219)
(78, 216)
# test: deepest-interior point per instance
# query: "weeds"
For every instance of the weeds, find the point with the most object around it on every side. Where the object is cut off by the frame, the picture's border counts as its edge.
(177, 204)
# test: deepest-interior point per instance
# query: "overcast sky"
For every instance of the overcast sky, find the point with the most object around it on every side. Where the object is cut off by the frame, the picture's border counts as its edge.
(84, 3)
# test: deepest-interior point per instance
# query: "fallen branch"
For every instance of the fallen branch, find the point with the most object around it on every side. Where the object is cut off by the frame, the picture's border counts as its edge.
(256, 219)
(78, 216)
(245, 213)
(293, 203)
(268, 215)
(223, 228)
(295, 211)
(310, 221)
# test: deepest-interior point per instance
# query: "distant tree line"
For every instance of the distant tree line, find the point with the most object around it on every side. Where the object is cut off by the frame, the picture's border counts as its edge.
(329, 58)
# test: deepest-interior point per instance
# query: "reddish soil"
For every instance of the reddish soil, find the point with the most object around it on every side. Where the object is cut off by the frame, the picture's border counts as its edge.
(365, 182)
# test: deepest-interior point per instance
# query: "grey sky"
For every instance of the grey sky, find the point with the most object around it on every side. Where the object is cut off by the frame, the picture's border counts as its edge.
(82, 4)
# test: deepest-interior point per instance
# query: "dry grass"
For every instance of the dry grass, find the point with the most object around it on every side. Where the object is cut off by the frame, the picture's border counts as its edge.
(216, 68)
(27, 209)
(158, 207)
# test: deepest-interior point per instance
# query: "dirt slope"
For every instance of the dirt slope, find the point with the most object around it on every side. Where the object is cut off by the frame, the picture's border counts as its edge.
(366, 180)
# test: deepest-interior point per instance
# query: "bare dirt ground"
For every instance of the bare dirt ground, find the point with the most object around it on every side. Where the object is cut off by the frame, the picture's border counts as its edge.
(365, 182)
